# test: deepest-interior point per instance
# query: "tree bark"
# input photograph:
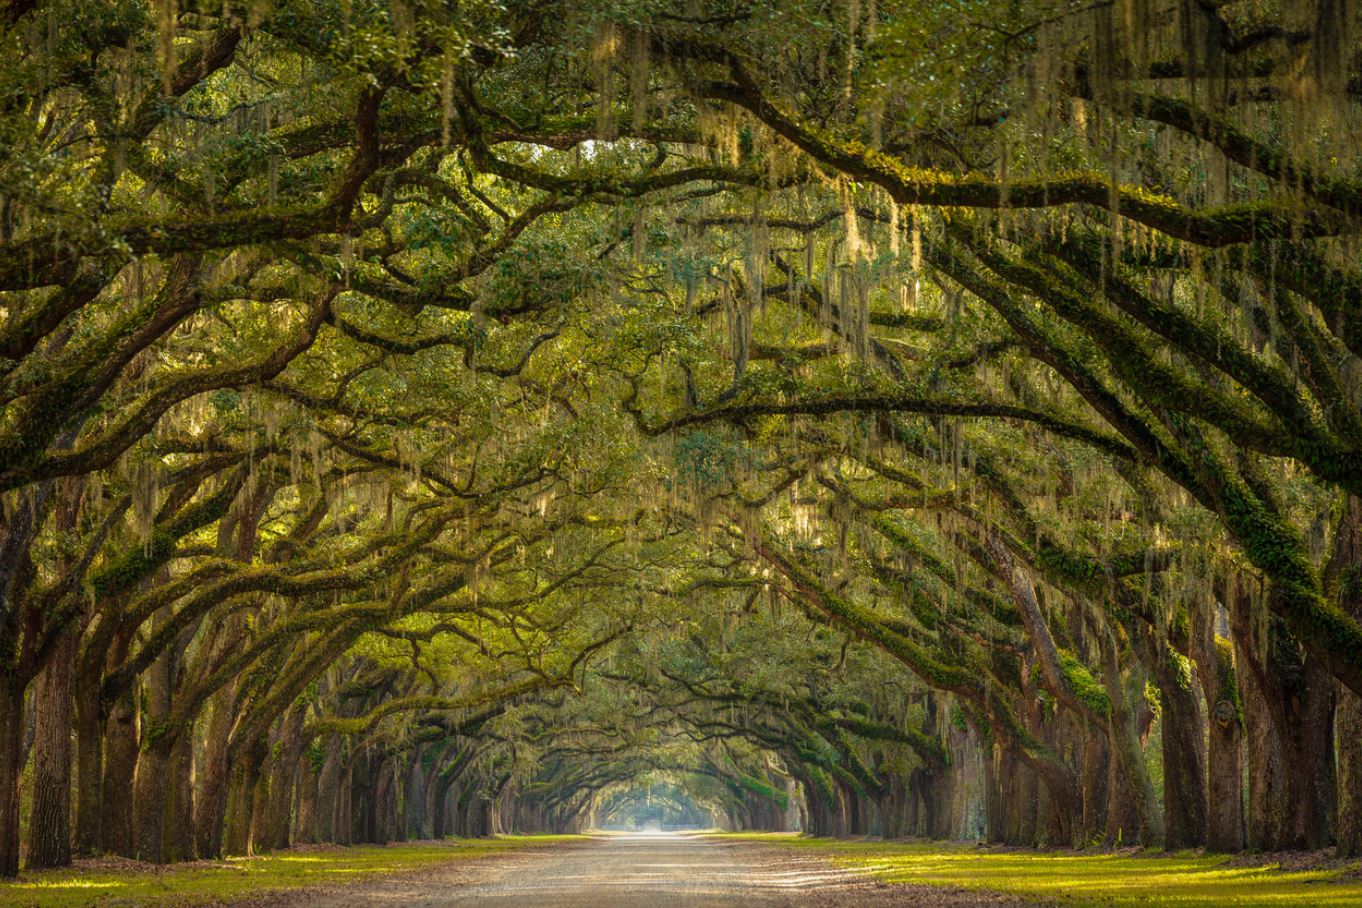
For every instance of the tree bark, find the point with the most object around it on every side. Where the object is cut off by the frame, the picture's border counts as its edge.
(306, 809)
(282, 770)
(11, 763)
(243, 773)
(1344, 574)
(178, 836)
(50, 818)
(328, 792)
(210, 803)
(1184, 749)
(1225, 753)
(89, 759)
(1348, 724)
(116, 787)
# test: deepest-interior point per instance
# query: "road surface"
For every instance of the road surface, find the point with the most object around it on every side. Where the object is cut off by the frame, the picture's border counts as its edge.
(657, 870)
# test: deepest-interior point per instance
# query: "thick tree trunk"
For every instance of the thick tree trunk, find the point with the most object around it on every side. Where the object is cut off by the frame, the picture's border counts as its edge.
(1348, 722)
(11, 763)
(1345, 580)
(149, 800)
(1289, 705)
(282, 770)
(439, 801)
(210, 802)
(1311, 781)
(116, 787)
(1266, 820)
(89, 762)
(414, 798)
(1184, 749)
(1096, 783)
(243, 773)
(306, 804)
(328, 792)
(178, 835)
(934, 789)
(50, 818)
(1133, 814)
(996, 764)
(1225, 743)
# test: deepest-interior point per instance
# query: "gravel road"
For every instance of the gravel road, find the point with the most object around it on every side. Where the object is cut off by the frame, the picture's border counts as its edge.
(650, 870)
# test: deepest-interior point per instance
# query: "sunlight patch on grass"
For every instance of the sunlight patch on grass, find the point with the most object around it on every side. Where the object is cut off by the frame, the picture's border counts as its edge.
(214, 882)
(1090, 879)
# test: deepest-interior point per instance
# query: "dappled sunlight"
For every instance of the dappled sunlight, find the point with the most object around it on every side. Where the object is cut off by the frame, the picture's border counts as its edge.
(1097, 878)
(63, 884)
(239, 877)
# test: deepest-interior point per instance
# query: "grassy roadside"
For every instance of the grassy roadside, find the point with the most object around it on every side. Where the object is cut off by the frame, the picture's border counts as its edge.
(1097, 878)
(208, 882)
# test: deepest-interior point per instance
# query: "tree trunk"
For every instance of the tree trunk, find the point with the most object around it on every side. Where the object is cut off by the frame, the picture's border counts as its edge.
(116, 787)
(89, 761)
(1289, 708)
(243, 773)
(282, 769)
(1344, 573)
(1311, 781)
(1184, 750)
(1266, 816)
(1096, 783)
(1225, 745)
(149, 800)
(177, 842)
(328, 792)
(1348, 722)
(11, 763)
(414, 798)
(210, 802)
(1133, 814)
(306, 808)
(50, 819)
(995, 806)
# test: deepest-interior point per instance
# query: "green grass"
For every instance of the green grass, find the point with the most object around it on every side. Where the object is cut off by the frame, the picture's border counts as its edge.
(1097, 878)
(217, 881)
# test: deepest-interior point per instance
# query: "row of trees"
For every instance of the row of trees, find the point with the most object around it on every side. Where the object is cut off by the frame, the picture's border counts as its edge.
(886, 417)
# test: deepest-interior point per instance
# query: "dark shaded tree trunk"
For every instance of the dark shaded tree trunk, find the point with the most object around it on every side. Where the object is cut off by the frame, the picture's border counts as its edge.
(243, 774)
(1290, 711)
(1225, 814)
(306, 804)
(178, 836)
(1184, 748)
(1096, 784)
(996, 764)
(1311, 780)
(1224, 741)
(210, 802)
(282, 770)
(328, 792)
(1344, 574)
(116, 786)
(150, 792)
(50, 817)
(1133, 812)
(11, 763)
(89, 761)
(414, 799)
(1348, 723)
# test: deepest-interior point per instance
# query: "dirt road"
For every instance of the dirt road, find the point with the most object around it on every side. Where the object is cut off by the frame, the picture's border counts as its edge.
(649, 870)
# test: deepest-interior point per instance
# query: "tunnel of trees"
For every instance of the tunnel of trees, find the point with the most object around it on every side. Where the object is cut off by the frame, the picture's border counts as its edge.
(854, 416)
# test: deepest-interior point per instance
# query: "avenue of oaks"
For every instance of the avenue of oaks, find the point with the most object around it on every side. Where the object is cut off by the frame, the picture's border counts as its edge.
(858, 416)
